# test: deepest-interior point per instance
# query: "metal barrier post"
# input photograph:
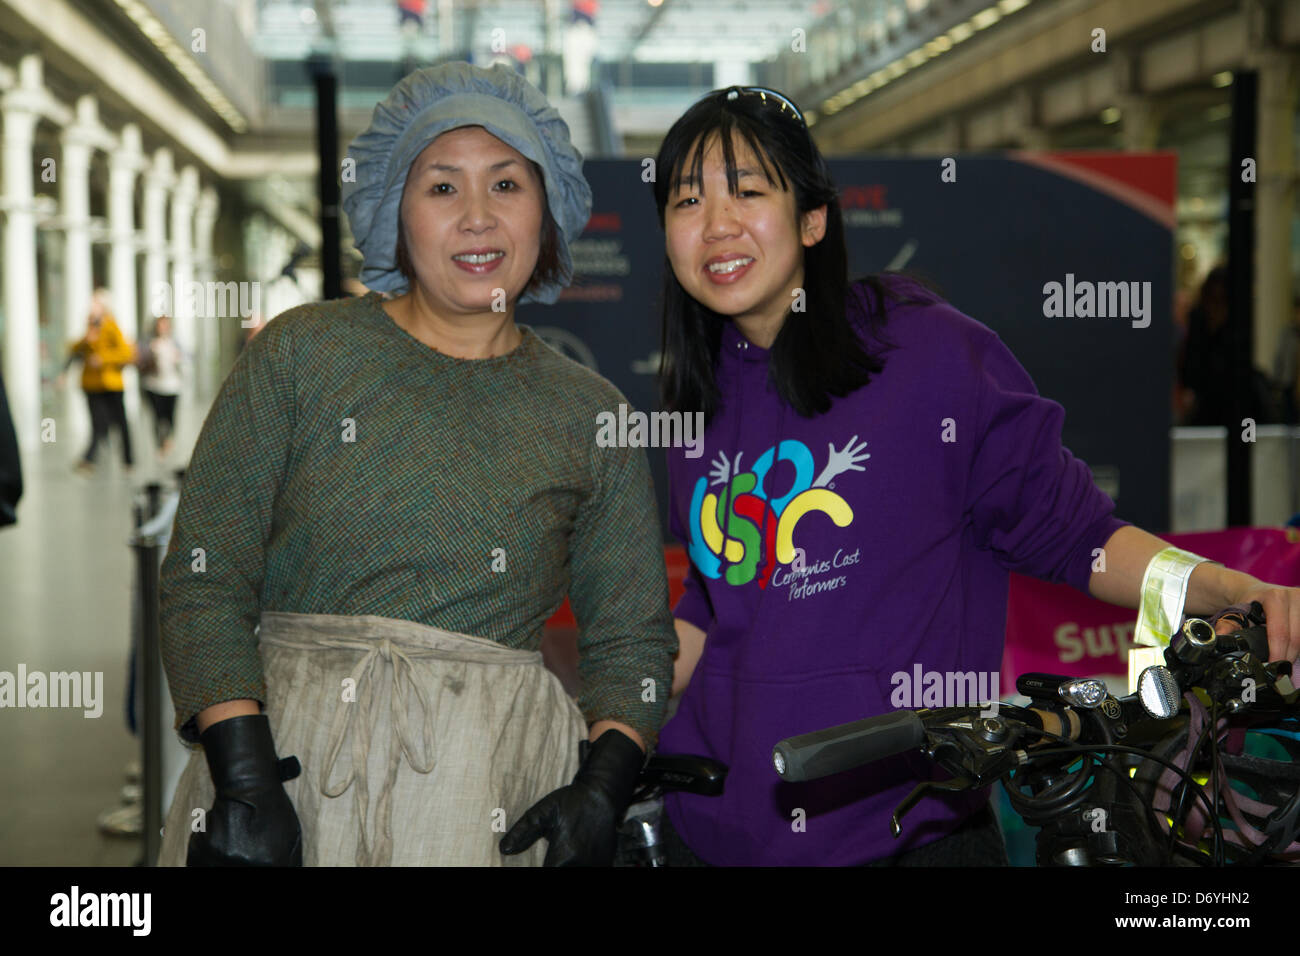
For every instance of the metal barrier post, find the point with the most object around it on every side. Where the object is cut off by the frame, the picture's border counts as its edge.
(146, 552)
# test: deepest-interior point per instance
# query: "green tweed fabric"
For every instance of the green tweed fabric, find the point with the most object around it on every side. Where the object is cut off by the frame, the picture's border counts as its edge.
(345, 467)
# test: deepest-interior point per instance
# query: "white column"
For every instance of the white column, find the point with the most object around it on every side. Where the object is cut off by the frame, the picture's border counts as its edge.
(74, 211)
(182, 250)
(205, 220)
(158, 181)
(22, 325)
(125, 160)
(79, 140)
(74, 215)
(124, 164)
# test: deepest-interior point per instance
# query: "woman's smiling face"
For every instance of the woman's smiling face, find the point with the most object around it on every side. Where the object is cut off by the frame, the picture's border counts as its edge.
(469, 193)
(741, 255)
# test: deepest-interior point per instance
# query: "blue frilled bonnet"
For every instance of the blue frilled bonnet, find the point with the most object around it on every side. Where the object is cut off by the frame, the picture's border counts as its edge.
(422, 107)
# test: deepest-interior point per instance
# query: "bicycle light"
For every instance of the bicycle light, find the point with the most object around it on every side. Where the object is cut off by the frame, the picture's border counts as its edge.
(1084, 692)
(1158, 692)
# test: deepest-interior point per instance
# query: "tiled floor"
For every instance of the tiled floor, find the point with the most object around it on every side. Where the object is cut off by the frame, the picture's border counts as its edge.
(66, 579)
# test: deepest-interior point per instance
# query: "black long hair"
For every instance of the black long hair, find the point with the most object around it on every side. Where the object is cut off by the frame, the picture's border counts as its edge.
(817, 356)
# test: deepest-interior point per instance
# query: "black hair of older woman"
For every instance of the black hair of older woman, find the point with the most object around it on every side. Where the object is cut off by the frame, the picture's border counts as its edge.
(812, 359)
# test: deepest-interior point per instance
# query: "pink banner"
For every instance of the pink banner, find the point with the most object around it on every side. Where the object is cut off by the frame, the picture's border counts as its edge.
(1055, 629)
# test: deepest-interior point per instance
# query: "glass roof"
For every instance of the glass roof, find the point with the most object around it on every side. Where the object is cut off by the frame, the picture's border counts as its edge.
(675, 31)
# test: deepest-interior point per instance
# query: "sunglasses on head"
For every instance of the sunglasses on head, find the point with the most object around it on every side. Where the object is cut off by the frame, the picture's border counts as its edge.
(767, 96)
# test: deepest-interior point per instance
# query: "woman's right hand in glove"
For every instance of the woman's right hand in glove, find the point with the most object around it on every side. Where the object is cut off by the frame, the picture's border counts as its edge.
(252, 822)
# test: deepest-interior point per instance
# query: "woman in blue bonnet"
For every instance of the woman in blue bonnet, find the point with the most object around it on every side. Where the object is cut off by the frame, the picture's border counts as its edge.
(389, 498)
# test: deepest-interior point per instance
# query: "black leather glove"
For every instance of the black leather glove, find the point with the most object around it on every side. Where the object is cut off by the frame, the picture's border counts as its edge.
(252, 822)
(580, 822)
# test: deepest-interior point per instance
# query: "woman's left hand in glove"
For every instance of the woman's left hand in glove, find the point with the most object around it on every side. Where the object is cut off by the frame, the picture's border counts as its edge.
(580, 822)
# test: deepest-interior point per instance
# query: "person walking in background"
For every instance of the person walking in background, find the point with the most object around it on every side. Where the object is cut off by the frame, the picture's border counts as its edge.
(579, 46)
(1214, 376)
(103, 351)
(160, 371)
(1207, 359)
(411, 13)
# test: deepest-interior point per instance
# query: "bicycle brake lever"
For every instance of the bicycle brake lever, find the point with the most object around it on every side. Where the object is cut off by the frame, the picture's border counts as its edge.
(954, 785)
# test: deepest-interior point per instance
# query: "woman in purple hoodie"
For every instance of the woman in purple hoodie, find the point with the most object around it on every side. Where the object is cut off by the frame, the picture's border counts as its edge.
(875, 464)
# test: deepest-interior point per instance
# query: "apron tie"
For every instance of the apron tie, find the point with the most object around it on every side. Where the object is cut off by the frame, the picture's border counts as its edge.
(346, 724)
(399, 644)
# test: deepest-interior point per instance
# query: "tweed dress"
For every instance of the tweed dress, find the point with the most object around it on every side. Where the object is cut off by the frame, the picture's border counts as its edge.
(369, 540)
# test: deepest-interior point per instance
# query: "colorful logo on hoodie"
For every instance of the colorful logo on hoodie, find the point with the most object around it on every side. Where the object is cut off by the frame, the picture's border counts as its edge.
(750, 524)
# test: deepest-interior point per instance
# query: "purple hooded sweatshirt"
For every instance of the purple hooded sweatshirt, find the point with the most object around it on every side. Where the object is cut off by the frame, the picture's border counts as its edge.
(870, 541)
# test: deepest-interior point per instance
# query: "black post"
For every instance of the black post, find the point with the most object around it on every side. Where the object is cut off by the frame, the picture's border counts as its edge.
(327, 148)
(146, 552)
(1241, 280)
(154, 491)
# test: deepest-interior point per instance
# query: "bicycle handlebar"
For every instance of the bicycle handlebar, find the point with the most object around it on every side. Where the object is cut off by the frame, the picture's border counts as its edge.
(824, 752)
(836, 749)
(1062, 757)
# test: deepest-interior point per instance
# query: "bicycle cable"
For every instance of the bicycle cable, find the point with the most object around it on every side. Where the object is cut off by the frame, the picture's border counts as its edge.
(1119, 748)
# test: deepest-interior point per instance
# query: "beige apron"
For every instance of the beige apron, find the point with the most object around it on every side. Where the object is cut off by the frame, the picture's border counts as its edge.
(419, 747)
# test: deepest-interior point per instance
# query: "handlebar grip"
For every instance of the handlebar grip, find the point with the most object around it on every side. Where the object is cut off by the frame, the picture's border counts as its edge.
(836, 749)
